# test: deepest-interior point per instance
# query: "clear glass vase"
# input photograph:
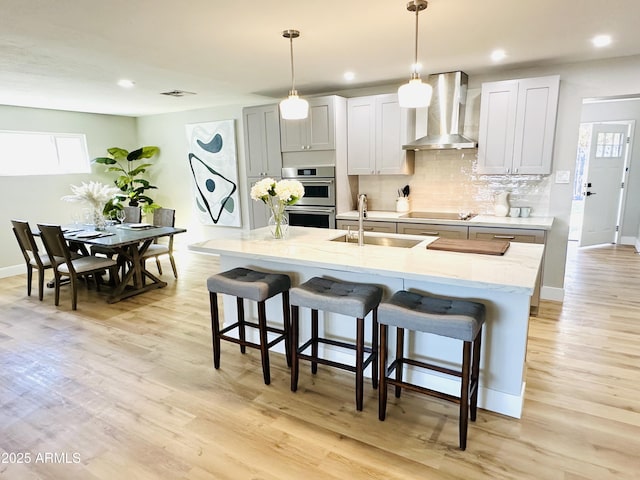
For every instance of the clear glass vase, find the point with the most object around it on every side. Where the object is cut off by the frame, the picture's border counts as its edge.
(278, 222)
(99, 222)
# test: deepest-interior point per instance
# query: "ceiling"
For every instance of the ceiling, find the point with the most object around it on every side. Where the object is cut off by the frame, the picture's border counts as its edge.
(69, 54)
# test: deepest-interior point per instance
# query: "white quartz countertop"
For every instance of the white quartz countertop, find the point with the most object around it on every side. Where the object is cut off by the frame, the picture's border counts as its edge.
(515, 272)
(538, 223)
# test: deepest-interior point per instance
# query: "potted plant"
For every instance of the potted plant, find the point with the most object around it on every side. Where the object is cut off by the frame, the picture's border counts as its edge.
(132, 186)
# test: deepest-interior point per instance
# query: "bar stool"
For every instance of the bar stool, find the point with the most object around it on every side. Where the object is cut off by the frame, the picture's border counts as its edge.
(453, 318)
(351, 299)
(253, 285)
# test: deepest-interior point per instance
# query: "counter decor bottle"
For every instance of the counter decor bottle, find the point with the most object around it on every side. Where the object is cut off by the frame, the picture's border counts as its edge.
(501, 204)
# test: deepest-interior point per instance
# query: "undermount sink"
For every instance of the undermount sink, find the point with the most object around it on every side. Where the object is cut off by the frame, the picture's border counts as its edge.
(381, 241)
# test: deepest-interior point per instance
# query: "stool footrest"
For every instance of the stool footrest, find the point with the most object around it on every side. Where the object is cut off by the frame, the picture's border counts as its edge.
(331, 363)
(428, 366)
(282, 335)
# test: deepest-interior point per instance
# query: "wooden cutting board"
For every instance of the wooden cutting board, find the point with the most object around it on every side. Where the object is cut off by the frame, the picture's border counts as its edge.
(488, 247)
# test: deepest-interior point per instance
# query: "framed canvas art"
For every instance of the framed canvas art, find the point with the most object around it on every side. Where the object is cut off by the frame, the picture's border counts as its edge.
(213, 165)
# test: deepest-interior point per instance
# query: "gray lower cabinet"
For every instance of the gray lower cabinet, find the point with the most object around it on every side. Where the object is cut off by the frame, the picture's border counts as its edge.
(514, 235)
(434, 230)
(368, 225)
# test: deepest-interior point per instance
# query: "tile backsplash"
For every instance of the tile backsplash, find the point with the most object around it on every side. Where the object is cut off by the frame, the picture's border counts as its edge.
(446, 181)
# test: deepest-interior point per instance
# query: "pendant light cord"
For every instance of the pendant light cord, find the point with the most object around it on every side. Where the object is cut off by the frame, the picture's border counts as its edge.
(293, 82)
(415, 63)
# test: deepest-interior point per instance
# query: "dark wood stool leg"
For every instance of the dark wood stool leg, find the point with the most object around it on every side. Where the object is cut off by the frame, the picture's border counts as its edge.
(264, 347)
(286, 315)
(314, 337)
(374, 349)
(215, 329)
(359, 363)
(399, 358)
(475, 375)
(464, 394)
(241, 329)
(294, 347)
(382, 389)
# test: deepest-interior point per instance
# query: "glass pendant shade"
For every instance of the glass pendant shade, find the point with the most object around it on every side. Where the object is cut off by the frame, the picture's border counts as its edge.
(294, 107)
(414, 94)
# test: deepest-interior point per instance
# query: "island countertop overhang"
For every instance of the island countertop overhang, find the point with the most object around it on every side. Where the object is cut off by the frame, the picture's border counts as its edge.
(515, 272)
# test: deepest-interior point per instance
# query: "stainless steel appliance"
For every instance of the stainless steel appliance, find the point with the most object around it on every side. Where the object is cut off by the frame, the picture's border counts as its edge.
(318, 206)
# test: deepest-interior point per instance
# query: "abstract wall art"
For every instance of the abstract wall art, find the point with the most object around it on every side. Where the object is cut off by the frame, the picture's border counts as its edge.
(214, 168)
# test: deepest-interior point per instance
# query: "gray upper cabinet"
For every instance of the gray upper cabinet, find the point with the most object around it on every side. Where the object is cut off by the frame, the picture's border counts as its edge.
(316, 132)
(517, 126)
(376, 130)
(262, 141)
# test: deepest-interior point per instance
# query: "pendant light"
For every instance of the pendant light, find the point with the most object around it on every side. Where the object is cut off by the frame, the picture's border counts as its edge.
(293, 107)
(415, 94)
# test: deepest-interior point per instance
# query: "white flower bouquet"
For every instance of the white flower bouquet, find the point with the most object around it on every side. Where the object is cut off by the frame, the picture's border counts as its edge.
(96, 195)
(277, 195)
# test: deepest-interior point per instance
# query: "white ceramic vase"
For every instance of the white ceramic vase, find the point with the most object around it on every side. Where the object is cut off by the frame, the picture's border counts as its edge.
(501, 204)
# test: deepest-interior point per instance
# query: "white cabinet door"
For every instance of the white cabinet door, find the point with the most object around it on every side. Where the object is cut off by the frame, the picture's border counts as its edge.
(262, 140)
(377, 129)
(316, 132)
(517, 126)
(535, 125)
(497, 126)
(361, 138)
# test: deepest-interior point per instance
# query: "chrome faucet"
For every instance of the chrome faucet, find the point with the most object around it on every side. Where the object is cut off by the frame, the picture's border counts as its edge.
(362, 214)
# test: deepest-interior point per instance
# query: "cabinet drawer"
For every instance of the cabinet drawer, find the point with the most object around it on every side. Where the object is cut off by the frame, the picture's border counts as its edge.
(513, 235)
(435, 230)
(368, 225)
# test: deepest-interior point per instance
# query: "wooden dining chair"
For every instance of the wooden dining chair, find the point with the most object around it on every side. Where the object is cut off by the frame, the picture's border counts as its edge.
(31, 254)
(65, 265)
(163, 217)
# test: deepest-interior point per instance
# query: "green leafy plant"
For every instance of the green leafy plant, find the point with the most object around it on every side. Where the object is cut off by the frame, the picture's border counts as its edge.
(132, 185)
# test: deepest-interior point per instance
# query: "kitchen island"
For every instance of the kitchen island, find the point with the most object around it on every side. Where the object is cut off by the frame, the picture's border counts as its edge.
(503, 283)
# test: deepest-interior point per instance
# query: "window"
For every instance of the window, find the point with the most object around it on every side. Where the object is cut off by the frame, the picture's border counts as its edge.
(40, 153)
(609, 145)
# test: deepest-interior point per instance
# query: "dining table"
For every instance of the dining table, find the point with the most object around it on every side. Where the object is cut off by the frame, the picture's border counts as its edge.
(129, 242)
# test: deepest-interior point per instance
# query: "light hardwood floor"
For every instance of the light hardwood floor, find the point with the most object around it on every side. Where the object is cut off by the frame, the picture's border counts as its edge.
(129, 391)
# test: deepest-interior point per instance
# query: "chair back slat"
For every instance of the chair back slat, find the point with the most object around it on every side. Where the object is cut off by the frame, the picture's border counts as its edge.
(54, 243)
(164, 217)
(25, 237)
(132, 214)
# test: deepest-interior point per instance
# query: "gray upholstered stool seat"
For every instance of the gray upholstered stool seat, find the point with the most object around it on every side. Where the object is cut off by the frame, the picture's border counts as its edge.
(259, 287)
(350, 299)
(447, 317)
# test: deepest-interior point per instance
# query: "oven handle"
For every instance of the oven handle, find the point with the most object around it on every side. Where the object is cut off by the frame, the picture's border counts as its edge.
(304, 209)
(318, 182)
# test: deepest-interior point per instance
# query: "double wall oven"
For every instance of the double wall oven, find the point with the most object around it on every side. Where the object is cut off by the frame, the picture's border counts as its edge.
(318, 206)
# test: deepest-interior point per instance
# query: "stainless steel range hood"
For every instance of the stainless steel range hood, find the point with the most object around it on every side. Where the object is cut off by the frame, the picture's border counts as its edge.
(445, 120)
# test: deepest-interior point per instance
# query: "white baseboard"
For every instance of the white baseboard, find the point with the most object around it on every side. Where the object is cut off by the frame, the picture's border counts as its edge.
(12, 270)
(552, 293)
(638, 245)
(629, 241)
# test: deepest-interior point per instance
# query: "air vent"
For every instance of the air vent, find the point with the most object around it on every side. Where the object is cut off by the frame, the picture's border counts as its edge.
(177, 93)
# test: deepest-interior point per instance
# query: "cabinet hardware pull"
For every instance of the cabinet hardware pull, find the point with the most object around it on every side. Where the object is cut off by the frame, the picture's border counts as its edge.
(505, 237)
(368, 229)
(429, 233)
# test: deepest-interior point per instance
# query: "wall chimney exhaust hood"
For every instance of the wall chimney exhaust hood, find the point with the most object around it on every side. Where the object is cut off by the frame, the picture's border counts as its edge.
(446, 114)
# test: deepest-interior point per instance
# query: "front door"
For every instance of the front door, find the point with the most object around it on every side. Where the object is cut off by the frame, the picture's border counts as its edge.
(602, 187)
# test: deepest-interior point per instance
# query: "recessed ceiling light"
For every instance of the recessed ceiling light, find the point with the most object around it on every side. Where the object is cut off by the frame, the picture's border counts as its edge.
(498, 55)
(348, 76)
(601, 40)
(124, 83)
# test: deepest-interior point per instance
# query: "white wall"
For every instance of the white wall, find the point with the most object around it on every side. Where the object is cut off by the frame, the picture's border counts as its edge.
(578, 81)
(37, 198)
